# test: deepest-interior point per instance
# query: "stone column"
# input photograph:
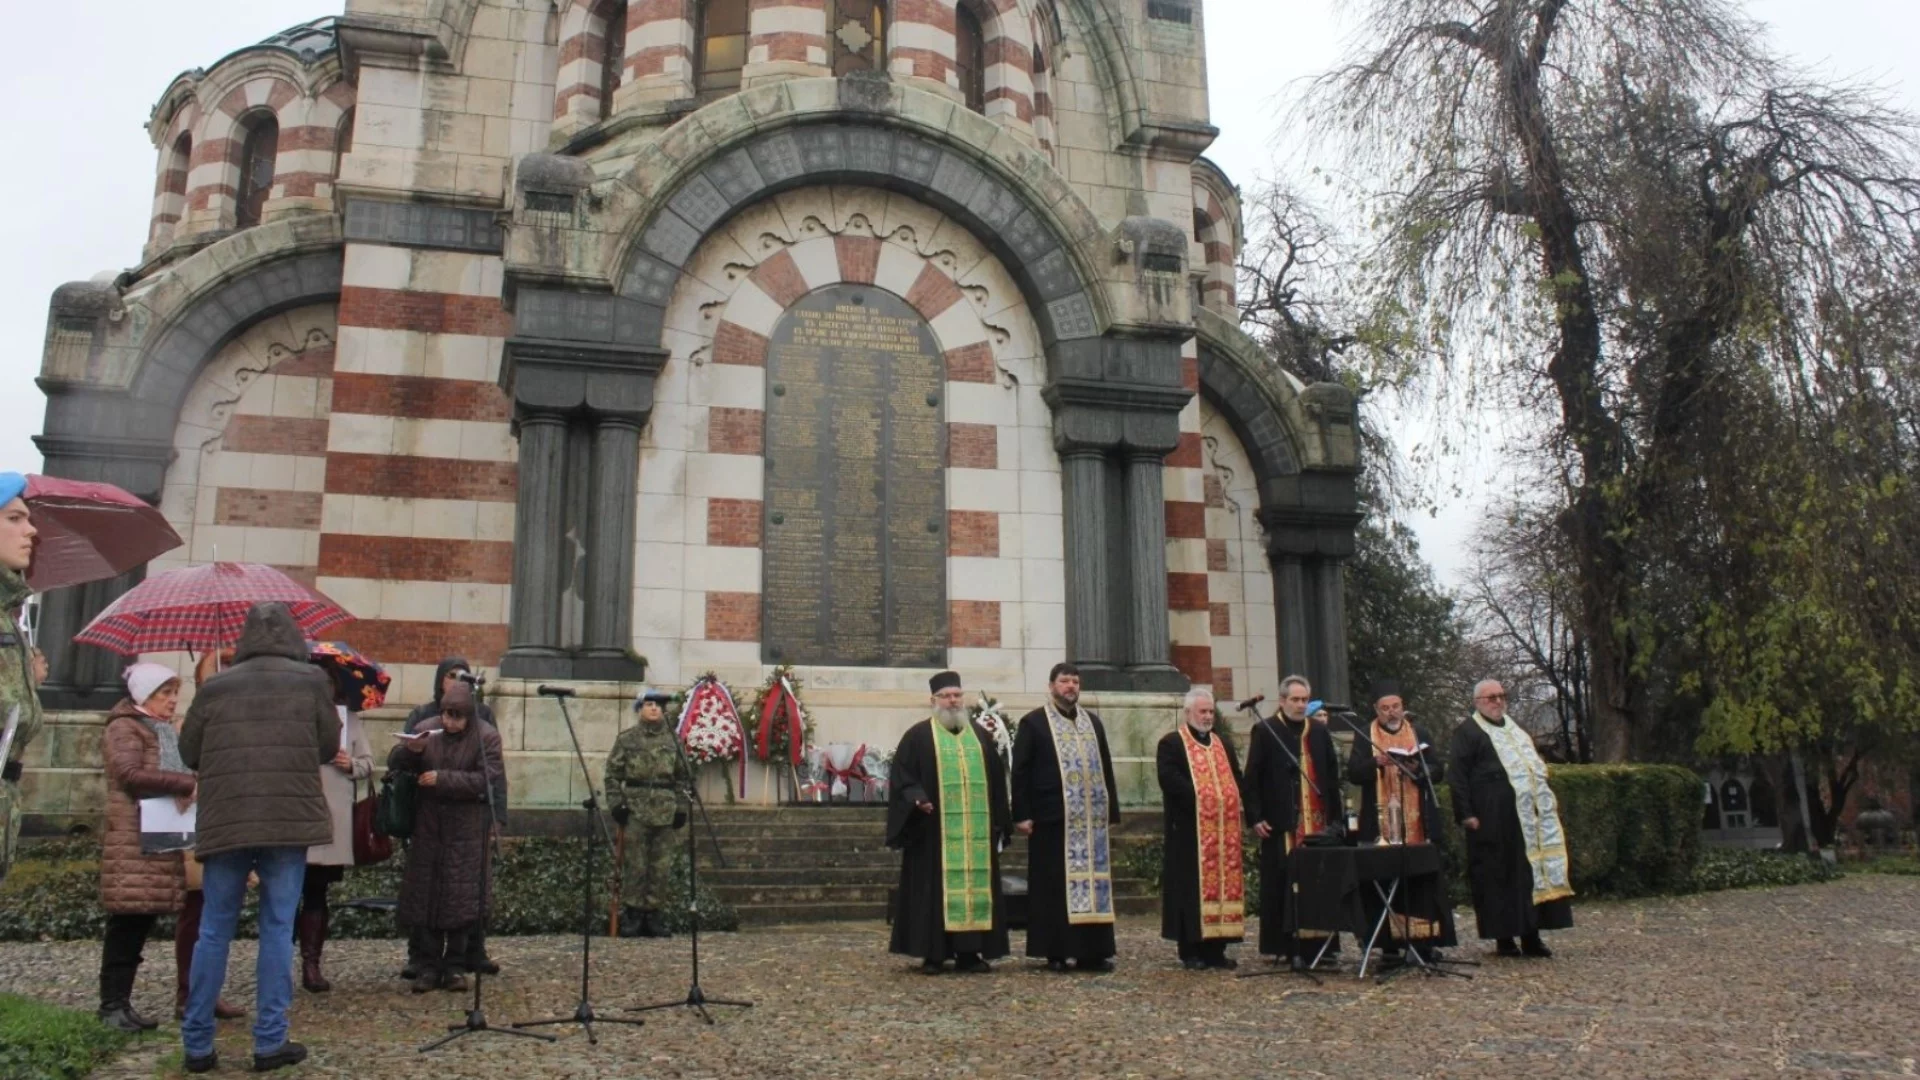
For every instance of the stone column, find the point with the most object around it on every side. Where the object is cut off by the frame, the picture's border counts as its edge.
(609, 578)
(1290, 602)
(534, 624)
(1089, 573)
(1149, 641)
(1330, 637)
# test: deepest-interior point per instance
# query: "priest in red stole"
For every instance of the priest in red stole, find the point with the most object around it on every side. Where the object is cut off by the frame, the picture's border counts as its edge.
(1202, 882)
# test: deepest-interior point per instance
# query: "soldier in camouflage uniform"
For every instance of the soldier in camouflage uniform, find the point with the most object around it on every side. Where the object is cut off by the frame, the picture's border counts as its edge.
(646, 794)
(18, 677)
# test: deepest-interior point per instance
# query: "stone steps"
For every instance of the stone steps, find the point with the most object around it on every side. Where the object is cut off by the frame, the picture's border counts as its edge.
(819, 863)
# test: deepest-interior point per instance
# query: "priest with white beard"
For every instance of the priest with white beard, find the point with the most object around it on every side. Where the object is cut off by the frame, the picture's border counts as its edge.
(947, 816)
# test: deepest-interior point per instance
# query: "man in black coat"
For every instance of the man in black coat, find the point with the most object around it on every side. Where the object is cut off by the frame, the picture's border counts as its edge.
(1069, 862)
(1202, 878)
(1290, 791)
(1516, 849)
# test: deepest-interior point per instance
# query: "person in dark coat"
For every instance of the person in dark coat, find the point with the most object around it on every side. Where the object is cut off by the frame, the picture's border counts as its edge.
(1516, 848)
(1069, 860)
(947, 816)
(447, 887)
(1203, 900)
(257, 734)
(1398, 806)
(449, 674)
(1284, 811)
(143, 762)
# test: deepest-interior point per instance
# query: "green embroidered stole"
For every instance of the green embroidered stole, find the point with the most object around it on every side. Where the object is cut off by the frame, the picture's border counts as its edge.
(966, 831)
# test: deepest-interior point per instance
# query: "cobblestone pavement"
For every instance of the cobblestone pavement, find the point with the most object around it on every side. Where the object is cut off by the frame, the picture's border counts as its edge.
(1814, 982)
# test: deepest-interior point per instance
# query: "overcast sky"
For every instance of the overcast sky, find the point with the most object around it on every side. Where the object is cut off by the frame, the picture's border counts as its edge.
(76, 200)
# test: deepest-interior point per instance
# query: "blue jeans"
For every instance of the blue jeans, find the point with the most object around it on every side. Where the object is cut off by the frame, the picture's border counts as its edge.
(224, 878)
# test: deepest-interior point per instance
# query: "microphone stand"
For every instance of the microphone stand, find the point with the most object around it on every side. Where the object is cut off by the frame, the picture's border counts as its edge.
(583, 1013)
(476, 1020)
(1293, 967)
(1425, 775)
(696, 999)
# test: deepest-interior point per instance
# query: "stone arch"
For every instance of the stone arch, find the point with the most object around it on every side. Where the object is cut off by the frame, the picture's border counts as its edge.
(1043, 236)
(1251, 394)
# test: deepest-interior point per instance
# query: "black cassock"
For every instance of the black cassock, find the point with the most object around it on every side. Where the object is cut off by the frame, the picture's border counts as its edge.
(1037, 798)
(1270, 792)
(1180, 873)
(1497, 866)
(919, 924)
(1425, 899)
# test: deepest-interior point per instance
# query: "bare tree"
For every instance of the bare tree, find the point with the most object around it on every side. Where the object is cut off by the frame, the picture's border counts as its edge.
(1633, 217)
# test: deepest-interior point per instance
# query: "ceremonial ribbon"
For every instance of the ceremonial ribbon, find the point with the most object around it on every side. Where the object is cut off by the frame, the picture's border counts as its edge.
(780, 706)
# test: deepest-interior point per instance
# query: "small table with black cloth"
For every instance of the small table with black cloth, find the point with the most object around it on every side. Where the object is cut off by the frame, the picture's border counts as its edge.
(1330, 883)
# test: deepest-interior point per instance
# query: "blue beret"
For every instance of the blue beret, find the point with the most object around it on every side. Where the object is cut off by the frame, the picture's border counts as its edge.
(12, 484)
(1315, 706)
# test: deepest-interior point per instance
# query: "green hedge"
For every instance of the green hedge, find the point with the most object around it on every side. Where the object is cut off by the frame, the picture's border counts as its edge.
(1632, 830)
(53, 894)
(43, 1042)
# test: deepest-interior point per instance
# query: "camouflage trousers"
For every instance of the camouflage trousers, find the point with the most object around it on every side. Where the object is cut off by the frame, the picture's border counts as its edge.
(645, 865)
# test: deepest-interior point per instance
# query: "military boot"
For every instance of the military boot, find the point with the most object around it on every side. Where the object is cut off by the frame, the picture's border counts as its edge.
(654, 925)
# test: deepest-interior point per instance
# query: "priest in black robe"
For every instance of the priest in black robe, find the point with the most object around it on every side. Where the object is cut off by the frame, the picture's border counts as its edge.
(1203, 903)
(940, 898)
(1510, 899)
(1069, 860)
(1408, 813)
(1284, 812)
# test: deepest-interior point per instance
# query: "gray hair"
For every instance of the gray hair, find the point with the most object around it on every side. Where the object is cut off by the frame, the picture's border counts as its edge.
(1482, 685)
(1291, 680)
(1194, 695)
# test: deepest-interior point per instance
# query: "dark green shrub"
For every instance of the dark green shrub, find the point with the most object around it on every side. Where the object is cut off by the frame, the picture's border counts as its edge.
(54, 894)
(43, 1042)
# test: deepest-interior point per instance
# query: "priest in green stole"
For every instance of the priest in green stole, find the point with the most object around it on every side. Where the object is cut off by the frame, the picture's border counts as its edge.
(947, 816)
(1203, 900)
(1516, 849)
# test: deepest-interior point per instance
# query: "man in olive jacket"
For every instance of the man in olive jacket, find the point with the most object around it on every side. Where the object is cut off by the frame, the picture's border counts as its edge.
(257, 734)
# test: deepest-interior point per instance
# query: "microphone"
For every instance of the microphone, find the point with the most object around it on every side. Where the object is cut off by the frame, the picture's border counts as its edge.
(1252, 701)
(556, 691)
(470, 678)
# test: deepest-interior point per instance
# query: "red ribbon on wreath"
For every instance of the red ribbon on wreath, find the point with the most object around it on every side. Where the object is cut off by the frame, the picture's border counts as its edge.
(780, 707)
(844, 779)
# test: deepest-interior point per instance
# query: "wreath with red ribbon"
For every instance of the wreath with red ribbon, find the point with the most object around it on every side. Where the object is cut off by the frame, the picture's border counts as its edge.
(778, 722)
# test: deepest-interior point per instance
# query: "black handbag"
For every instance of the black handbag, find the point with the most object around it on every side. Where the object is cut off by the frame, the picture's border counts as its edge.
(399, 791)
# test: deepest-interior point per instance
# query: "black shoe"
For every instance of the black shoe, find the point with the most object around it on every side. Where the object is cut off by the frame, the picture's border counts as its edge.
(204, 1064)
(1533, 946)
(486, 966)
(931, 967)
(1224, 963)
(972, 964)
(425, 981)
(1506, 947)
(290, 1053)
(454, 979)
(120, 1017)
(1098, 967)
(1057, 966)
(411, 971)
(1194, 963)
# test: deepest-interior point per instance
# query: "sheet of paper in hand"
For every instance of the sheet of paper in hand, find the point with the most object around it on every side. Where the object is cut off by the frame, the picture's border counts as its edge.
(165, 827)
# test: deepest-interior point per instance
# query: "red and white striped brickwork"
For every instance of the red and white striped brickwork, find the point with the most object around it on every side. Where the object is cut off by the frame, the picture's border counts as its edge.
(698, 562)
(1188, 595)
(924, 47)
(310, 133)
(418, 509)
(1215, 252)
(786, 37)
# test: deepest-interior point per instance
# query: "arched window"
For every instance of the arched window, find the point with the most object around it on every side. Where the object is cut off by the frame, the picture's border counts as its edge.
(970, 56)
(1201, 223)
(179, 163)
(342, 142)
(613, 51)
(720, 47)
(857, 35)
(257, 156)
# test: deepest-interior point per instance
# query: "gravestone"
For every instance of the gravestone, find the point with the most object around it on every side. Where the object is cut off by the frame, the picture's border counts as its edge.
(856, 535)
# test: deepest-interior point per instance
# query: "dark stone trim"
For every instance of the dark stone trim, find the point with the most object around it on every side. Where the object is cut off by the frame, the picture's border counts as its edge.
(424, 225)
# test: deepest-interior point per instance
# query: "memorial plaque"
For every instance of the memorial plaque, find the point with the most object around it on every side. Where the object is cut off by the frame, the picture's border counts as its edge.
(856, 522)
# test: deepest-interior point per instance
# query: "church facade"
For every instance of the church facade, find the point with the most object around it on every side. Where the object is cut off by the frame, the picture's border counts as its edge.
(603, 341)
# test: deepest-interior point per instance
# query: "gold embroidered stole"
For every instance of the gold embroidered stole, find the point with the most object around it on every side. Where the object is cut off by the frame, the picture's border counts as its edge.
(1084, 799)
(1216, 807)
(1539, 810)
(966, 827)
(1313, 813)
(1394, 788)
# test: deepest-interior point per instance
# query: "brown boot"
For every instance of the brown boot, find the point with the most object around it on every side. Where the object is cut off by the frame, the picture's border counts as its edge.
(311, 926)
(186, 934)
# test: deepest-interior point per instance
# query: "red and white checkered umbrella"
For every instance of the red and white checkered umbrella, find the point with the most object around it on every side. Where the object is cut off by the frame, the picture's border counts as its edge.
(204, 607)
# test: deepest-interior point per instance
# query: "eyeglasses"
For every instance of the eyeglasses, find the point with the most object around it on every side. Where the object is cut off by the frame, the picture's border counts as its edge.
(1493, 697)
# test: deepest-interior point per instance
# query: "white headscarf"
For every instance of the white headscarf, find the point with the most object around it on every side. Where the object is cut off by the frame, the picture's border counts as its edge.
(144, 679)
